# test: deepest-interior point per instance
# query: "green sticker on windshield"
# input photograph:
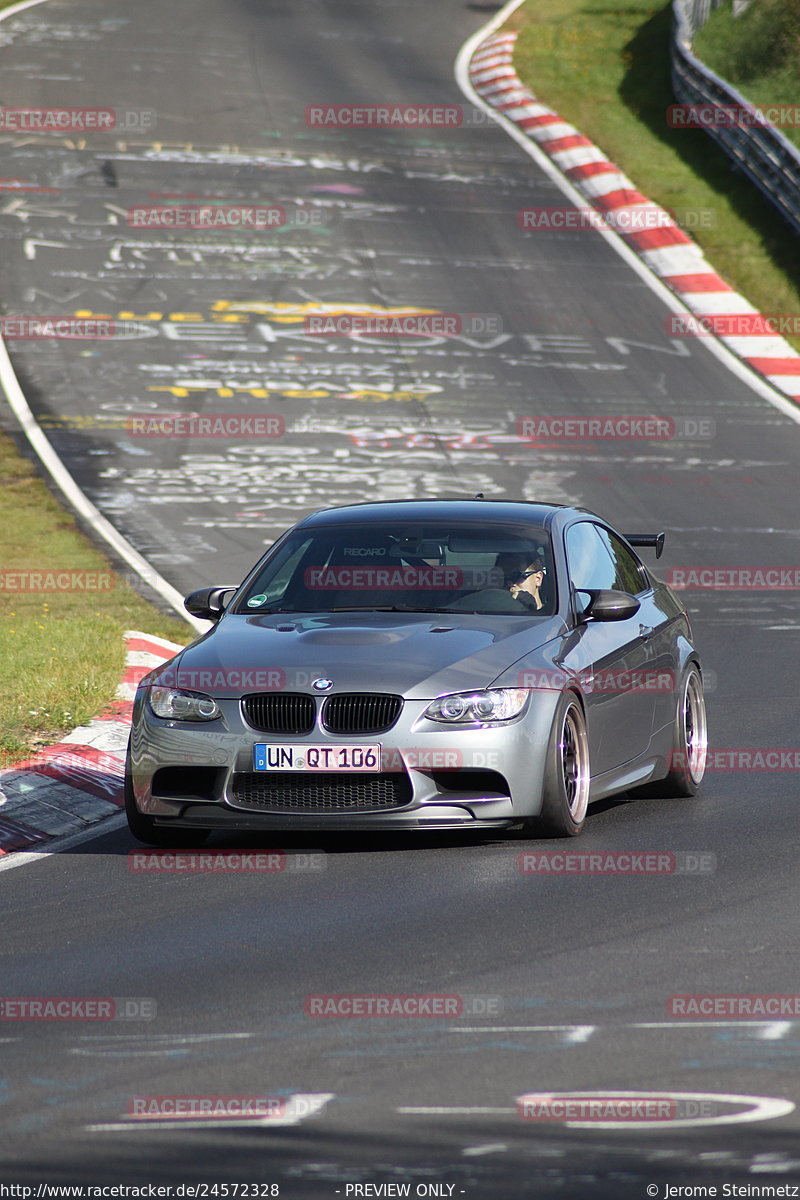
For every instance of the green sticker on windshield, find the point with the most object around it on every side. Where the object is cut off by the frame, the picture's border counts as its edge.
(256, 601)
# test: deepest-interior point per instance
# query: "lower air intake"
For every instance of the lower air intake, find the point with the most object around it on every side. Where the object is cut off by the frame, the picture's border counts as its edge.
(300, 791)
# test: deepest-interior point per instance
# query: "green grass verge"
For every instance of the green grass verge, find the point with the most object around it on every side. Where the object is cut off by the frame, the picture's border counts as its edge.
(606, 69)
(61, 652)
(758, 52)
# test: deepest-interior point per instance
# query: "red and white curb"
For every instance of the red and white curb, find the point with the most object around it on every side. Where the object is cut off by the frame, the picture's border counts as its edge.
(652, 233)
(69, 786)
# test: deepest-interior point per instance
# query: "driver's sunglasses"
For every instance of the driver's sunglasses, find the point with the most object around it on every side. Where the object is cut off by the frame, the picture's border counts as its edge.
(525, 574)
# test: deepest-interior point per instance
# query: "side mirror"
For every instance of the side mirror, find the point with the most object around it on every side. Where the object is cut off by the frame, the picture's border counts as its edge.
(605, 604)
(209, 603)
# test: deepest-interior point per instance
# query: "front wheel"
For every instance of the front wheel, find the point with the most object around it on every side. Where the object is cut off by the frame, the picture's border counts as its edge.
(144, 828)
(687, 763)
(565, 796)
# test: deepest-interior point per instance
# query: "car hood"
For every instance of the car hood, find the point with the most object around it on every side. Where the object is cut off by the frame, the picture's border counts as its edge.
(419, 656)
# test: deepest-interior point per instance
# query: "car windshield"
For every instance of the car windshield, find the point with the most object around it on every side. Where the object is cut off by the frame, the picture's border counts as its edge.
(430, 567)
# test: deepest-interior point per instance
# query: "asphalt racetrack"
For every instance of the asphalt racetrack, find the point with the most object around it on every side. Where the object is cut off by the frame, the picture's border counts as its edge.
(567, 977)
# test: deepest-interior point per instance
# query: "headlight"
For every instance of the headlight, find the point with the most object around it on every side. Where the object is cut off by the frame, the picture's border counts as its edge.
(182, 706)
(497, 704)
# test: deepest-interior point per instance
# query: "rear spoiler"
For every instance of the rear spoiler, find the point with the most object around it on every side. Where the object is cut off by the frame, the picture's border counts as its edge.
(647, 539)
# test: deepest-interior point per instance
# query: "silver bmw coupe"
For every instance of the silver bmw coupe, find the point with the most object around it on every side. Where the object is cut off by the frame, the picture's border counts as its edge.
(423, 664)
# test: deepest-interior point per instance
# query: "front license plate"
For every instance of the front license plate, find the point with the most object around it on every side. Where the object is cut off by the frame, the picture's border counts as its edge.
(269, 757)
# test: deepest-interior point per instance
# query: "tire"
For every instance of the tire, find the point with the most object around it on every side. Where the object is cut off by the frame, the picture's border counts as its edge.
(144, 828)
(565, 795)
(689, 743)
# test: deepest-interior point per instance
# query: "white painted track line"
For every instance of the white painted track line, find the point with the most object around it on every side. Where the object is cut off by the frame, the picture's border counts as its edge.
(24, 858)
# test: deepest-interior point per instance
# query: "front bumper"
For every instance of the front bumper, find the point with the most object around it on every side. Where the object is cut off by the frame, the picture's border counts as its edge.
(226, 819)
(490, 777)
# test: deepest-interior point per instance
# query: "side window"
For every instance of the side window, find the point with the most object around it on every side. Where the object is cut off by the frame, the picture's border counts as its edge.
(590, 564)
(630, 574)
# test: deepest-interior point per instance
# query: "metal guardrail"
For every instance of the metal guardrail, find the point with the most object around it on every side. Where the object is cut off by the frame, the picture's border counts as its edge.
(759, 150)
(697, 13)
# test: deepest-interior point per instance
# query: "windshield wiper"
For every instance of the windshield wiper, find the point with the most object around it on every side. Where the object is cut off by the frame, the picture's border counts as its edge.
(434, 610)
(369, 608)
(401, 608)
(267, 612)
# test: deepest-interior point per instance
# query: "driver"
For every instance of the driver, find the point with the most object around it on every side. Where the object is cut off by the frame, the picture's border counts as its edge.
(523, 577)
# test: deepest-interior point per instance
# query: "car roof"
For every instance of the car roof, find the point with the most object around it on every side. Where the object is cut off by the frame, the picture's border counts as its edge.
(482, 511)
